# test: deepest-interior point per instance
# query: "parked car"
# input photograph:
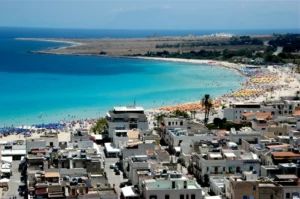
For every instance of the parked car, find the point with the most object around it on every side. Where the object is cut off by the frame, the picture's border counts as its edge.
(124, 184)
(112, 166)
(116, 169)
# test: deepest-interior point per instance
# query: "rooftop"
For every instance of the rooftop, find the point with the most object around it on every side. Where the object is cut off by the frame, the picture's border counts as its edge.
(128, 108)
(129, 191)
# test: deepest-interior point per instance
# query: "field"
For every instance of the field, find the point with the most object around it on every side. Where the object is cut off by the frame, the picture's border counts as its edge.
(123, 47)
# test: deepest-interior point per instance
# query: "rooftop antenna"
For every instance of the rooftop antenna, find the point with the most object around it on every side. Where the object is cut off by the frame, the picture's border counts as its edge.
(134, 103)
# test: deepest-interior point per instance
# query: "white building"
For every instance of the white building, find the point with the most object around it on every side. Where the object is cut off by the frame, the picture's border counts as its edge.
(121, 138)
(175, 186)
(245, 133)
(126, 118)
(224, 162)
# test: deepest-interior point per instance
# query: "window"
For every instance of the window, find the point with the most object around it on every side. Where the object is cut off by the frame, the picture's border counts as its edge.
(184, 184)
(224, 168)
(245, 197)
(263, 128)
(187, 196)
(271, 196)
(181, 196)
(176, 123)
(251, 168)
(254, 188)
(287, 195)
(181, 123)
(153, 197)
(169, 123)
(7, 147)
(193, 196)
(167, 197)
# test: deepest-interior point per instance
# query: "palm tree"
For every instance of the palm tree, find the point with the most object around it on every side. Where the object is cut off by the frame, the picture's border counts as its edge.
(207, 103)
(99, 126)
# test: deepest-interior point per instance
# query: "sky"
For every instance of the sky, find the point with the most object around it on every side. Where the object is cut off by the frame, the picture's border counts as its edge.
(151, 14)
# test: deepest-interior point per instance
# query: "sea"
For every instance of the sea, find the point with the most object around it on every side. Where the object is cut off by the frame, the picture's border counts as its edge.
(44, 88)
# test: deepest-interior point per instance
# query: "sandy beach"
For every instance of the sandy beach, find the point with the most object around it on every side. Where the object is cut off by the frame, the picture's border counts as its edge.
(270, 84)
(73, 43)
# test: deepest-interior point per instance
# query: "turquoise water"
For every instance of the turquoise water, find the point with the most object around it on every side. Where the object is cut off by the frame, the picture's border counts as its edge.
(39, 88)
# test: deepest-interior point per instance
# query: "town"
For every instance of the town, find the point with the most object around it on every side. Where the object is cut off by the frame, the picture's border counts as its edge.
(132, 154)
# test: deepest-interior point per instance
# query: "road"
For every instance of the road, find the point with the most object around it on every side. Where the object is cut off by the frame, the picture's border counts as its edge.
(112, 178)
(14, 181)
(278, 50)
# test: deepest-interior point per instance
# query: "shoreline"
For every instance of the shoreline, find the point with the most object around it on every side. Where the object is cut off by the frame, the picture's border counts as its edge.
(73, 43)
(224, 64)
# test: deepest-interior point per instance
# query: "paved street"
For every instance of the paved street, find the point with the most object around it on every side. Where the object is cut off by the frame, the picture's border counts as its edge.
(111, 176)
(14, 181)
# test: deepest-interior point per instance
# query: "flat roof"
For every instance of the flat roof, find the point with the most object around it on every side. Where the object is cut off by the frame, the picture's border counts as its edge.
(129, 191)
(13, 152)
(97, 136)
(285, 154)
(286, 177)
(51, 175)
(215, 155)
(229, 154)
(110, 148)
(128, 108)
(133, 134)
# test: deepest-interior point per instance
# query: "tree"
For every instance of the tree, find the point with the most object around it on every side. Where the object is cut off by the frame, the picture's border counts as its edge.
(207, 103)
(99, 126)
(179, 113)
(159, 118)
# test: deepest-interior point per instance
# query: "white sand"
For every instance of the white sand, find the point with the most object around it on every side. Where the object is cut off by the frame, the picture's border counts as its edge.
(286, 89)
(53, 40)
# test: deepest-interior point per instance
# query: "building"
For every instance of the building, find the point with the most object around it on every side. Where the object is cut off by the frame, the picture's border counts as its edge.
(126, 118)
(242, 187)
(223, 163)
(176, 186)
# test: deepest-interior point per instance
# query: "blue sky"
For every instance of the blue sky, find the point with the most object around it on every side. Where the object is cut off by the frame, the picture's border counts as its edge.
(151, 14)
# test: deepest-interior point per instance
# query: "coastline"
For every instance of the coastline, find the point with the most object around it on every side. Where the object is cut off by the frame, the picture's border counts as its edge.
(226, 99)
(73, 44)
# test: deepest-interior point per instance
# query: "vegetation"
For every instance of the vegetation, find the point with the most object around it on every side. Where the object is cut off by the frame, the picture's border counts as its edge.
(99, 126)
(179, 113)
(245, 40)
(233, 41)
(159, 118)
(224, 124)
(289, 42)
